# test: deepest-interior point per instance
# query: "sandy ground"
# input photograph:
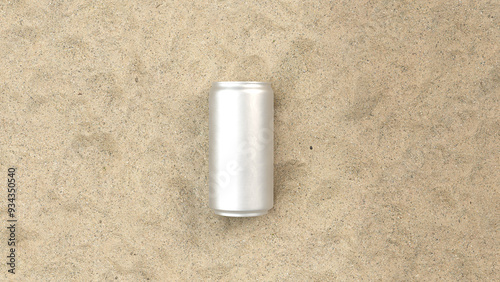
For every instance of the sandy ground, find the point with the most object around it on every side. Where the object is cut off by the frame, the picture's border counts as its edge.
(104, 113)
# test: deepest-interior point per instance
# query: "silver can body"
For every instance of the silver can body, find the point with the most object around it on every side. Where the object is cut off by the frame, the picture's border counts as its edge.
(241, 147)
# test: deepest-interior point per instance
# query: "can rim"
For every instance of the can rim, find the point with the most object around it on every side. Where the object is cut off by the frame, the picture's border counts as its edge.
(240, 83)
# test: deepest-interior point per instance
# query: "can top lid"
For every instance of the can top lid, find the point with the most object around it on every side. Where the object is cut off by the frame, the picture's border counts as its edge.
(240, 84)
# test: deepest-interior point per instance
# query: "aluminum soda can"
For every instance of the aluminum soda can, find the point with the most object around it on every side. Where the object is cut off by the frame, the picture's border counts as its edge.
(241, 148)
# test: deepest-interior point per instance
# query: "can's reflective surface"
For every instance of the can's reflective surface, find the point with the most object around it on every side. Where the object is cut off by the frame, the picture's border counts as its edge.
(241, 141)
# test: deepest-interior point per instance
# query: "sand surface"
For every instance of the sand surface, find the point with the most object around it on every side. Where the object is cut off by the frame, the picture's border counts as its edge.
(386, 139)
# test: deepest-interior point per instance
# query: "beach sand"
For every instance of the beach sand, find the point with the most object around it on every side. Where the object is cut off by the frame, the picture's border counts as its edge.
(386, 139)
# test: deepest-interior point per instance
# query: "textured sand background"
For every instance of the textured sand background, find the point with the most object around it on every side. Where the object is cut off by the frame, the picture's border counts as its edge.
(104, 112)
